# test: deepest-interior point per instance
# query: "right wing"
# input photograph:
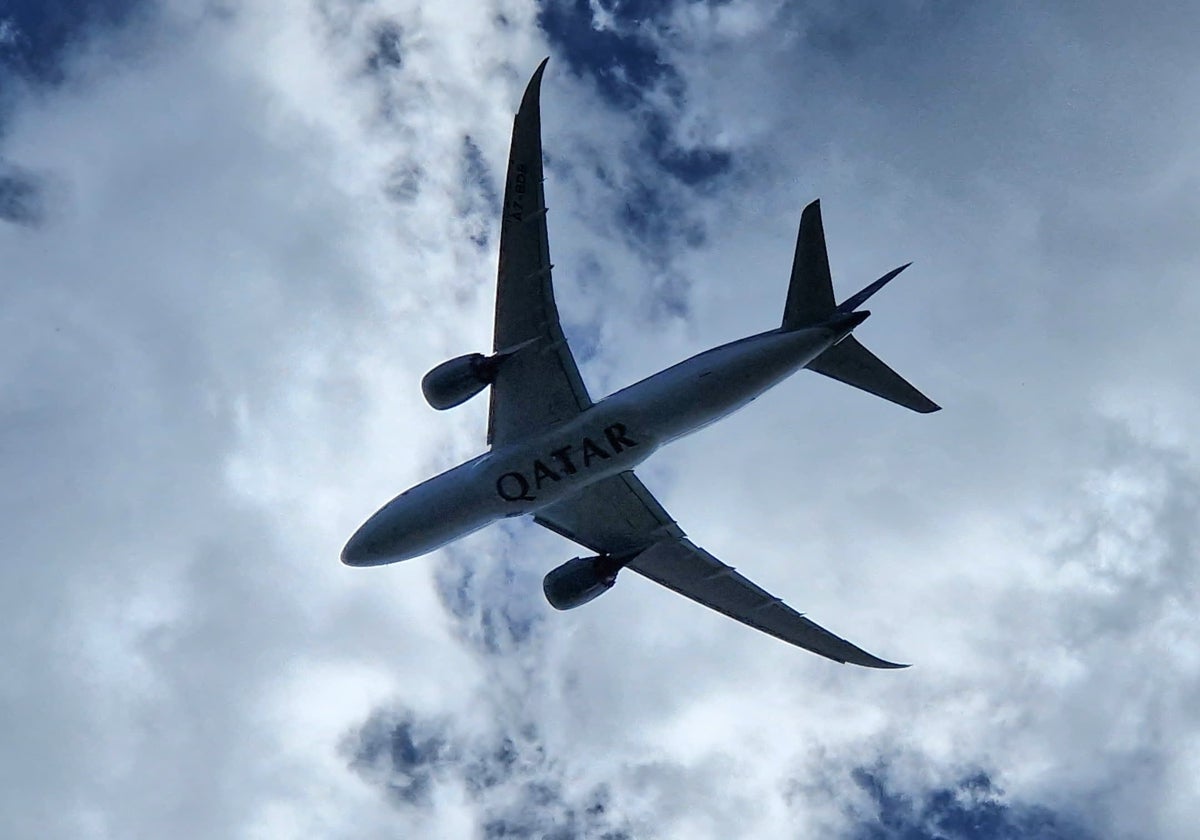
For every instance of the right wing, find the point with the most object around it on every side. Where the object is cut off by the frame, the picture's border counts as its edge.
(538, 385)
(618, 515)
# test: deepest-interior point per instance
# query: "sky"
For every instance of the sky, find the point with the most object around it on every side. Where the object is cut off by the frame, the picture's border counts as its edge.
(236, 234)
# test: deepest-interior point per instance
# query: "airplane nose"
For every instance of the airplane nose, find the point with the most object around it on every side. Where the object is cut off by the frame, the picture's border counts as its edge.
(362, 549)
(353, 554)
(384, 538)
(406, 527)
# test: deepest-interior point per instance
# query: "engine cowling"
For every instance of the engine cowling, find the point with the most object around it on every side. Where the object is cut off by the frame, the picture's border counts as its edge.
(580, 580)
(455, 381)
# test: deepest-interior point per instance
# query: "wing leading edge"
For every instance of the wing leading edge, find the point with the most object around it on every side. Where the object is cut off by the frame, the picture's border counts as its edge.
(618, 515)
(539, 384)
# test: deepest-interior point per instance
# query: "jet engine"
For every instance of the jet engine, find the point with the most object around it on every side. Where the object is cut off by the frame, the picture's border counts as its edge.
(456, 381)
(582, 579)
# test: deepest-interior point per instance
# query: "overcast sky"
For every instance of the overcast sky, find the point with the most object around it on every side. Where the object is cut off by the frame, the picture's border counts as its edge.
(234, 235)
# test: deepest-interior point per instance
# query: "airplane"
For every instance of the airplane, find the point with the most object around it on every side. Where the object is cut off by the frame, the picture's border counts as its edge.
(568, 460)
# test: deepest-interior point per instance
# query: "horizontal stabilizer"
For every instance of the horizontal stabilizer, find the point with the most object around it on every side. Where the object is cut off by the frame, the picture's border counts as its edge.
(855, 301)
(850, 362)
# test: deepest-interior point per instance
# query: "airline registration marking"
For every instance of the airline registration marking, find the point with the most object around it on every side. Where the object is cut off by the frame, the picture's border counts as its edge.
(518, 486)
(517, 194)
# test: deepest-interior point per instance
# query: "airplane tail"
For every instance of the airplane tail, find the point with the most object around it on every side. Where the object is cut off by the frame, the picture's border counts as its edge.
(810, 294)
(810, 302)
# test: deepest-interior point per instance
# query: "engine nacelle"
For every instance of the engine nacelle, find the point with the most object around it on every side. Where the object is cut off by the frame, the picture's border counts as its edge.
(583, 579)
(454, 382)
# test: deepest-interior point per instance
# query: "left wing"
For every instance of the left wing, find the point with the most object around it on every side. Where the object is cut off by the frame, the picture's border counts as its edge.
(619, 515)
(538, 385)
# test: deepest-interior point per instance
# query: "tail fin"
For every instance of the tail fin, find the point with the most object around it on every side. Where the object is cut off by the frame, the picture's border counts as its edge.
(810, 298)
(810, 294)
(810, 302)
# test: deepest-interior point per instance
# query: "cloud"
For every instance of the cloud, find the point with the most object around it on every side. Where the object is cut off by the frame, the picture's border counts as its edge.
(517, 787)
(256, 229)
(22, 196)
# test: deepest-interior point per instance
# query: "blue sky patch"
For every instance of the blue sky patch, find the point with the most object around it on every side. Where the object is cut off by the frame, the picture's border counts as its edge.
(623, 57)
(623, 60)
(972, 808)
(620, 48)
(693, 166)
(40, 33)
(516, 786)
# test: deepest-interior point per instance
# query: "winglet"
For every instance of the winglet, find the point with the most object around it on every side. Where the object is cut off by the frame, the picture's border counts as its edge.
(868, 660)
(533, 89)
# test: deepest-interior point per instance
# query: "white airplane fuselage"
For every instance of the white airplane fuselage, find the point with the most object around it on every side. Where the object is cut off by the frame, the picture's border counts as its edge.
(614, 435)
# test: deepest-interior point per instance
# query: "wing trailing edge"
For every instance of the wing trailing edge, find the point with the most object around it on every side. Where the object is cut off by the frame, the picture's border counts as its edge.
(619, 516)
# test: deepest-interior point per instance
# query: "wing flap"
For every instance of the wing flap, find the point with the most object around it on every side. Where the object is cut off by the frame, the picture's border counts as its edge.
(612, 516)
(689, 570)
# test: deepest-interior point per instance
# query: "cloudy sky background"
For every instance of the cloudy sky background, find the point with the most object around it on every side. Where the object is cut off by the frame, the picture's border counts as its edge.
(235, 235)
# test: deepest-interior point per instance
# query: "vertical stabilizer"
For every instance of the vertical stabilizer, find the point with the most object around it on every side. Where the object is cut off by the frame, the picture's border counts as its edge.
(810, 294)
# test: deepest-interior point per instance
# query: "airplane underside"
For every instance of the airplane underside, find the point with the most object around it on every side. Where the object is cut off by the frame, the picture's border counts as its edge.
(568, 461)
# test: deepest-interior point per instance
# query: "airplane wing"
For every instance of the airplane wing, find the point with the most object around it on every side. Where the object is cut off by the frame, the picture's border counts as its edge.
(618, 515)
(539, 384)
